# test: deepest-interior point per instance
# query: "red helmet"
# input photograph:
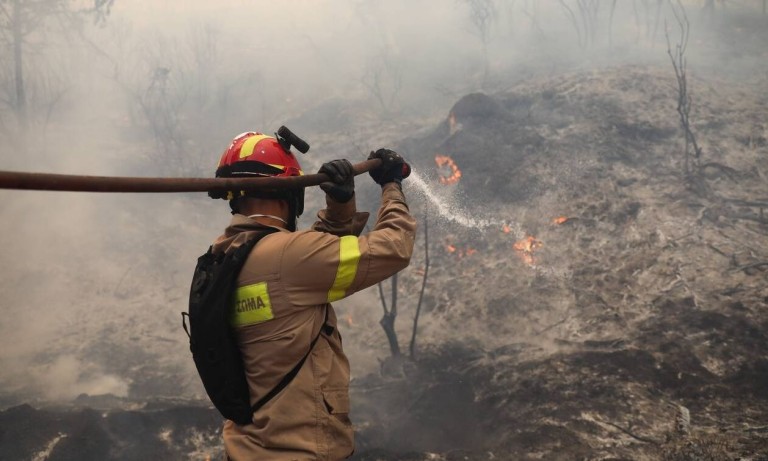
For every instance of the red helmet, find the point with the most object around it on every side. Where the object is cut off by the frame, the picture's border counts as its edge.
(257, 154)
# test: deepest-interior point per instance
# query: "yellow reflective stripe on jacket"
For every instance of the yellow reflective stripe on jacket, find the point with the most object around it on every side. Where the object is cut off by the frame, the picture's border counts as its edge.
(251, 305)
(349, 256)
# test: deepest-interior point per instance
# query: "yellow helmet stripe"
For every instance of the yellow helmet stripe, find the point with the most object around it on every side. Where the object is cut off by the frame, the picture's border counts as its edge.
(247, 149)
(282, 167)
(349, 257)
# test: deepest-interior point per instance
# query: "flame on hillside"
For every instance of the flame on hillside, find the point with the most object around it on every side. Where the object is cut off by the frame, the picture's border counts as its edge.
(560, 220)
(526, 247)
(448, 172)
(458, 251)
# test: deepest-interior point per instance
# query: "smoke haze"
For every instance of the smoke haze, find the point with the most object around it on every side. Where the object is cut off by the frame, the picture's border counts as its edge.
(92, 285)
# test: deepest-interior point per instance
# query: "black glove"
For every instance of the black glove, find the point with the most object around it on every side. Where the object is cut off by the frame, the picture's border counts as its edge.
(393, 167)
(343, 186)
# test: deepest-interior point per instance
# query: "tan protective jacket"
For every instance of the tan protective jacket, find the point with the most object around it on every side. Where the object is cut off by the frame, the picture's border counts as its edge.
(285, 288)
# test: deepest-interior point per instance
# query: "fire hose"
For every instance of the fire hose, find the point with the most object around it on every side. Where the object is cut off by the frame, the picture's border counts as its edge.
(78, 183)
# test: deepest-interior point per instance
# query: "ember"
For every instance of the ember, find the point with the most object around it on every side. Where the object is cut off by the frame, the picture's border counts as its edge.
(447, 170)
(560, 220)
(459, 251)
(526, 247)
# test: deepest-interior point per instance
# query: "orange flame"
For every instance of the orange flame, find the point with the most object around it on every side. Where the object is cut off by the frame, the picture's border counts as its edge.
(349, 320)
(506, 229)
(448, 172)
(526, 248)
(560, 220)
(459, 251)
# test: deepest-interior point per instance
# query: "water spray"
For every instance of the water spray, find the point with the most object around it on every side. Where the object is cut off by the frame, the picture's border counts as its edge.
(449, 210)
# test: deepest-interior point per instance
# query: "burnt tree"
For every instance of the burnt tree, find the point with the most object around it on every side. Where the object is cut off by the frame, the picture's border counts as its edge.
(387, 321)
(482, 14)
(584, 19)
(692, 151)
(412, 347)
(22, 19)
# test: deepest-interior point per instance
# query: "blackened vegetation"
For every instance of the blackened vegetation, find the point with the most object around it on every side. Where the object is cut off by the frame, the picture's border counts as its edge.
(163, 430)
(640, 332)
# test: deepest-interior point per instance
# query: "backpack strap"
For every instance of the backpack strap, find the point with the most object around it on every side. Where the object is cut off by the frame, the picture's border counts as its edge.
(295, 370)
(292, 374)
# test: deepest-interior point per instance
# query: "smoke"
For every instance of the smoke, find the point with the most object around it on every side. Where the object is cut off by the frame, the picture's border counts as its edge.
(92, 285)
(71, 377)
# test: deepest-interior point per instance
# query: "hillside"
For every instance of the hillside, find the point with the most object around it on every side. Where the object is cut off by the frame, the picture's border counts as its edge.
(647, 303)
(634, 328)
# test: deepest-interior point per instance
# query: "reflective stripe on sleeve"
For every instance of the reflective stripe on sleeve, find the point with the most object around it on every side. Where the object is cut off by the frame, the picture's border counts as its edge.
(251, 305)
(349, 256)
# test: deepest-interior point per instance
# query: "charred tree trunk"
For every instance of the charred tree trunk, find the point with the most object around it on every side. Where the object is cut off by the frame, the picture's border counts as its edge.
(659, 4)
(482, 14)
(20, 105)
(388, 320)
(574, 21)
(610, 23)
(412, 346)
(692, 151)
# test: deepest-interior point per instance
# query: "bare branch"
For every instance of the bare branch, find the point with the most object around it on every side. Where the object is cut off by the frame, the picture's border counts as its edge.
(574, 21)
(387, 322)
(751, 266)
(383, 300)
(412, 347)
(692, 152)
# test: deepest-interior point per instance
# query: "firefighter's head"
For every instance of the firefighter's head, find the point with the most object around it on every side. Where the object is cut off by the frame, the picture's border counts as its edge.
(254, 154)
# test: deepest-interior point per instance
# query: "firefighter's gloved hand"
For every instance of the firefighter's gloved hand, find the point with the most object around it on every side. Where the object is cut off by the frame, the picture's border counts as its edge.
(393, 167)
(342, 187)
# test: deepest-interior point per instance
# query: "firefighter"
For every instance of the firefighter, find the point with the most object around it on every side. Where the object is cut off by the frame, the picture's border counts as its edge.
(282, 311)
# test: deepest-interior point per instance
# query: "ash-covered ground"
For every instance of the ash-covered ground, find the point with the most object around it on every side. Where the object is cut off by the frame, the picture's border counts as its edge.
(635, 328)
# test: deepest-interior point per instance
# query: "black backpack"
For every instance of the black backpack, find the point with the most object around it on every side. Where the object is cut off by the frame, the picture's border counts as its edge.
(212, 339)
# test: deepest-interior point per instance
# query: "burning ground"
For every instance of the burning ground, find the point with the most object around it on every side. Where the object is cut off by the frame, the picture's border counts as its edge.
(606, 311)
(582, 302)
